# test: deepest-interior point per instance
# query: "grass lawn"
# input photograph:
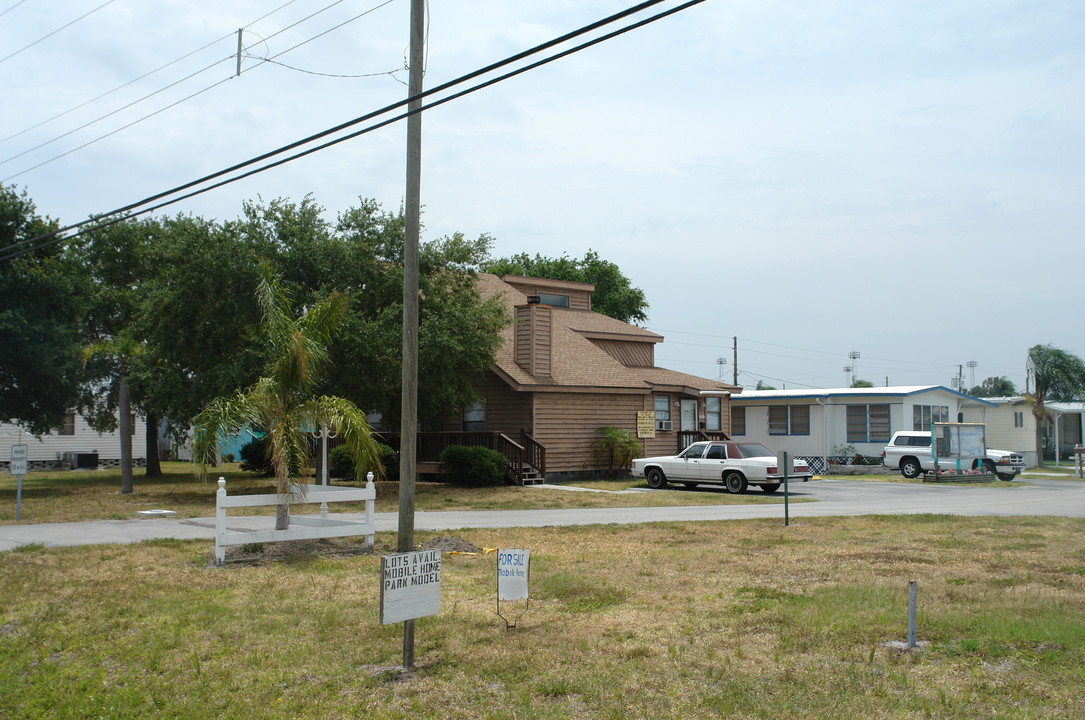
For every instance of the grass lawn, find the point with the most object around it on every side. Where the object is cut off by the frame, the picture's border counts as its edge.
(739, 619)
(74, 496)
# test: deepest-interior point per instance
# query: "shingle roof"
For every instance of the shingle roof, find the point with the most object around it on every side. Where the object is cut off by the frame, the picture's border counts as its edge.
(578, 363)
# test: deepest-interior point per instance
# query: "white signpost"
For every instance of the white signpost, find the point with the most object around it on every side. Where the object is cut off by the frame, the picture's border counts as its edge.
(512, 576)
(18, 469)
(410, 586)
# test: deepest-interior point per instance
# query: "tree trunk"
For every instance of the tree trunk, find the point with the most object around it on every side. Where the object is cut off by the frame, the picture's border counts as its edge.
(1038, 413)
(124, 409)
(282, 516)
(154, 468)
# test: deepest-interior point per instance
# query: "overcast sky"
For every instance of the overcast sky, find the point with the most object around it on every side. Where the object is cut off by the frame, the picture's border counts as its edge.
(899, 179)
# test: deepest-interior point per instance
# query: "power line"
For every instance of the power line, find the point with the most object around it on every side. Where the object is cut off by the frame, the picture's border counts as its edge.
(144, 75)
(130, 210)
(174, 104)
(54, 32)
(2, 14)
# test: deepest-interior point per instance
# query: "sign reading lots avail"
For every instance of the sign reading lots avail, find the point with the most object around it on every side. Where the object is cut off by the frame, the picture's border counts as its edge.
(410, 586)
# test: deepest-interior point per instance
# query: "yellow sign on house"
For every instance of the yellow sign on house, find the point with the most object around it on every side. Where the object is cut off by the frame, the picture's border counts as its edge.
(646, 424)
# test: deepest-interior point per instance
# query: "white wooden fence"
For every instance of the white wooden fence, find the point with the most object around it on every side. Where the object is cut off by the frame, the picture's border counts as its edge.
(302, 527)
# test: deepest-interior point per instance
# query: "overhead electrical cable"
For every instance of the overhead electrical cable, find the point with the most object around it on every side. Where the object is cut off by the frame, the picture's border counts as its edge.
(144, 75)
(5, 12)
(130, 210)
(49, 35)
(229, 58)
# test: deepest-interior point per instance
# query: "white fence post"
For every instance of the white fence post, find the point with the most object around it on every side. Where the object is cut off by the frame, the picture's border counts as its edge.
(220, 522)
(369, 510)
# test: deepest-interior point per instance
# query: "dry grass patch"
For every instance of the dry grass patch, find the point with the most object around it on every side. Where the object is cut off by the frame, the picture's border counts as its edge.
(737, 619)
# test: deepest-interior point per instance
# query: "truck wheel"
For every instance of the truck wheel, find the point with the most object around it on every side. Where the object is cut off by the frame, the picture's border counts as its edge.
(1006, 476)
(910, 468)
(656, 479)
(735, 482)
(770, 488)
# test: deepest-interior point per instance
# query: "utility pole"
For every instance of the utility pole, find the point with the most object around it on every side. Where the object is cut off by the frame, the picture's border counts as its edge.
(735, 365)
(408, 423)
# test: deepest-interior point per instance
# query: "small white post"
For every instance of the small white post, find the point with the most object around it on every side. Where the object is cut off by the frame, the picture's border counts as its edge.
(220, 522)
(913, 593)
(369, 511)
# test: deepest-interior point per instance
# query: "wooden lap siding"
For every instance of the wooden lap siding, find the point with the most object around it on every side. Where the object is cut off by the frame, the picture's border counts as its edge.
(566, 423)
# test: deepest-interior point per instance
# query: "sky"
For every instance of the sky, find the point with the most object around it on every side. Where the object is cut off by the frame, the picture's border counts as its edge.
(901, 181)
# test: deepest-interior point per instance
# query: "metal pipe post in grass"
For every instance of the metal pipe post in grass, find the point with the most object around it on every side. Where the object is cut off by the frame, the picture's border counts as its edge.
(913, 595)
(787, 509)
(412, 223)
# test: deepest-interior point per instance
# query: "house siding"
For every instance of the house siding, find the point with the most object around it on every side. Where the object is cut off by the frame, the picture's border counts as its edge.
(630, 354)
(46, 452)
(566, 423)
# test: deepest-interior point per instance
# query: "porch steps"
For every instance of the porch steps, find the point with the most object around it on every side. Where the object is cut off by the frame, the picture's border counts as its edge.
(532, 476)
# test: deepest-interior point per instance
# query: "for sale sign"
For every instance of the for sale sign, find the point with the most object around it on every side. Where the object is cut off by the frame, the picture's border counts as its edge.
(410, 586)
(512, 566)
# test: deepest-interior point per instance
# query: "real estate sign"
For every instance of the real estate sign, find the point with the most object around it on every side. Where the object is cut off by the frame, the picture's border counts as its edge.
(512, 567)
(410, 586)
(646, 424)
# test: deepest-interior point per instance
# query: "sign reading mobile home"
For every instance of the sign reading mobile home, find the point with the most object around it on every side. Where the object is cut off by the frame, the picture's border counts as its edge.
(512, 566)
(410, 586)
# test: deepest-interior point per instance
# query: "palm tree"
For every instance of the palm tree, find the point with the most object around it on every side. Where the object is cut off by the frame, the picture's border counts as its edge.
(282, 403)
(1056, 375)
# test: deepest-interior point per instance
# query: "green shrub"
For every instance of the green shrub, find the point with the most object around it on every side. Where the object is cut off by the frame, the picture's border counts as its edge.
(341, 464)
(616, 447)
(255, 457)
(472, 466)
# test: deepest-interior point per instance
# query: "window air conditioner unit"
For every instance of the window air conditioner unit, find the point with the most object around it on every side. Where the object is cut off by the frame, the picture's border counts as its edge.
(664, 425)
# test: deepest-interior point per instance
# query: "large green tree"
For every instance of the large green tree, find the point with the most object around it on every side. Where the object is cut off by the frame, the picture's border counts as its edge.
(614, 293)
(42, 297)
(283, 402)
(994, 387)
(1057, 375)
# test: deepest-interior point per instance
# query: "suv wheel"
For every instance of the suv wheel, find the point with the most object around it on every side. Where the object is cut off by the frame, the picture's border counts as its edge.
(910, 468)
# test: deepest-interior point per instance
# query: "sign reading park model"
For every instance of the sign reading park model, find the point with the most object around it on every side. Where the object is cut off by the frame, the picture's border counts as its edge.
(410, 586)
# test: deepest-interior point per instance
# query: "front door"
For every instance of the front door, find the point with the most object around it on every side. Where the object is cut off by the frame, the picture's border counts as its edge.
(689, 414)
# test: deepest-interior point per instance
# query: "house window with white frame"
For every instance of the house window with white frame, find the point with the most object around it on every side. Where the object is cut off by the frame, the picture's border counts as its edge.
(868, 423)
(474, 418)
(713, 413)
(789, 420)
(924, 415)
(663, 407)
(68, 428)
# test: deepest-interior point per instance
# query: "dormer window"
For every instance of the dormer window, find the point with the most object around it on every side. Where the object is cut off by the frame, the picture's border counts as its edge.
(553, 300)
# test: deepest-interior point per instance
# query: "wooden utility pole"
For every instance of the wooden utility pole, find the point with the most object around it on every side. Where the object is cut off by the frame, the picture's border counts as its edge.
(735, 363)
(408, 424)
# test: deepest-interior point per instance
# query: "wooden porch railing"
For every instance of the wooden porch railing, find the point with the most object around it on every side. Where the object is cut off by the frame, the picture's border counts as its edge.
(688, 437)
(528, 451)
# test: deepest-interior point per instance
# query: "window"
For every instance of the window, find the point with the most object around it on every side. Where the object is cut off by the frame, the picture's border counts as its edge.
(132, 424)
(868, 423)
(713, 414)
(738, 421)
(924, 415)
(1019, 419)
(694, 451)
(715, 452)
(554, 300)
(69, 425)
(474, 418)
(663, 407)
(789, 420)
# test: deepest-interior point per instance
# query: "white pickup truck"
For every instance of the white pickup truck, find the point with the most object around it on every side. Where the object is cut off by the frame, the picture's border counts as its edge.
(910, 452)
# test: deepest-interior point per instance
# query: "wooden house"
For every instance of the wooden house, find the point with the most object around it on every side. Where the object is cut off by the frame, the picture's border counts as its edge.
(564, 371)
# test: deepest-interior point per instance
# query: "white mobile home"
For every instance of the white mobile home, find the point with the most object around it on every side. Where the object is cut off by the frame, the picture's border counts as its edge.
(839, 423)
(75, 446)
(1010, 425)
